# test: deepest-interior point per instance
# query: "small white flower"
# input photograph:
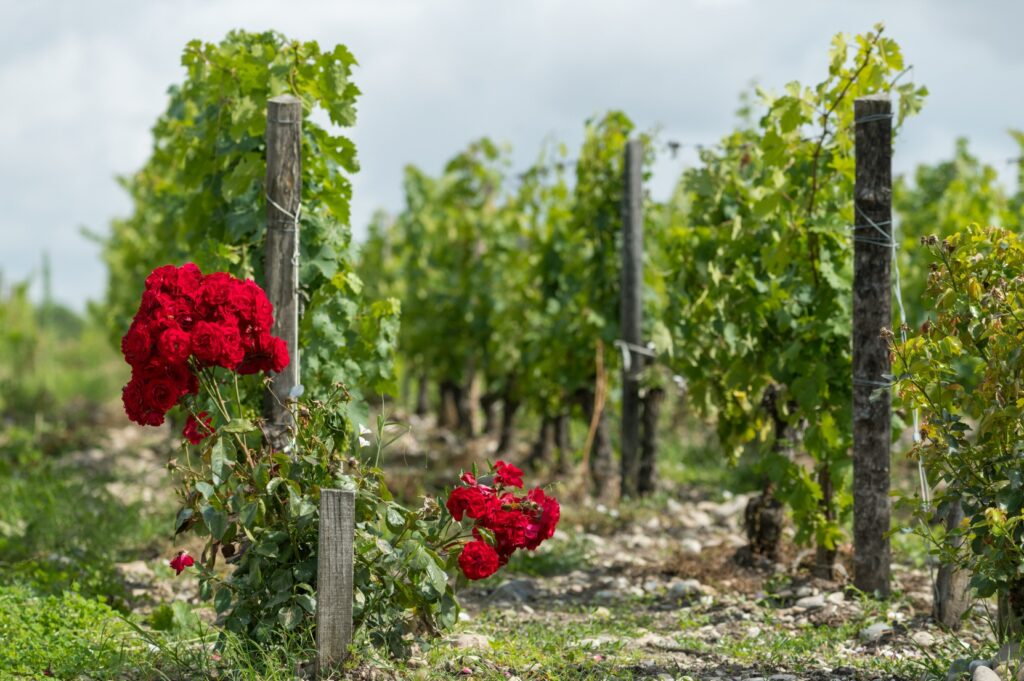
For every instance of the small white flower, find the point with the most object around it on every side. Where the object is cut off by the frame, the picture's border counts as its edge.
(363, 442)
(363, 430)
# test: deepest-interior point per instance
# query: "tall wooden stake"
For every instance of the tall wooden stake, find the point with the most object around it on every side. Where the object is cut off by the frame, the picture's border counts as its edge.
(334, 579)
(631, 323)
(872, 312)
(284, 198)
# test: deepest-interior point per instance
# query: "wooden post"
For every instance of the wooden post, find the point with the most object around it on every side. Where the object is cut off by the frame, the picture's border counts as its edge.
(281, 264)
(952, 596)
(872, 312)
(334, 579)
(631, 324)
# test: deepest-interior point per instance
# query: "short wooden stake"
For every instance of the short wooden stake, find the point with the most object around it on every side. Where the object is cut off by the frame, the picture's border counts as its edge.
(334, 579)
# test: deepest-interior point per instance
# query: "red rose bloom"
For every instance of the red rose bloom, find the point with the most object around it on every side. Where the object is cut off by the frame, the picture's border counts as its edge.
(269, 353)
(181, 561)
(174, 346)
(468, 478)
(197, 431)
(214, 292)
(255, 312)
(507, 474)
(161, 391)
(217, 344)
(473, 502)
(509, 528)
(136, 408)
(543, 519)
(137, 344)
(478, 560)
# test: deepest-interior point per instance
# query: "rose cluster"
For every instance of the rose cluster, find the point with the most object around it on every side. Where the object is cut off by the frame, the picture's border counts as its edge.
(503, 521)
(187, 321)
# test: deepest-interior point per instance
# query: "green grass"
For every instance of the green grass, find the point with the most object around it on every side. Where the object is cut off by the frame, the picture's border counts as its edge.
(68, 635)
(539, 648)
(557, 556)
(61, 529)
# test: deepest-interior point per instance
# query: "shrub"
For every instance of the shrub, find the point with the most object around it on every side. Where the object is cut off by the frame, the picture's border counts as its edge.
(962, 369)
(258, 507)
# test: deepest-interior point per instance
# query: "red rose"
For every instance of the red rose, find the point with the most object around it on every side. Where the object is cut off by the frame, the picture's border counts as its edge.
(468, 478)
(197, 431)
(507, 474)
(474, 502)
(543, 517)
(137, 345)
(217, 344)
(162, 278)
(509, 528)
(214, 292)
(478, 560)
(269, 353)
(181, 561)
(161, 392)
(252, 306)
(189, 280)
(174, 346)
(136, 408)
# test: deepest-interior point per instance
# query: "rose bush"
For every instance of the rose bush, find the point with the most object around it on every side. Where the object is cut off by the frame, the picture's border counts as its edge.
(192, 339)
(962, 369)
(501, 521)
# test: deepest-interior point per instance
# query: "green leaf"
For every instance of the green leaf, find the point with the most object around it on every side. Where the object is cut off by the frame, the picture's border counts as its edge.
(219, 462)
(216, 521)
(289, 617)
(239, 426)
(308, 603)
(182, 523)
(222, 599)
(206, 489)
(438, 578)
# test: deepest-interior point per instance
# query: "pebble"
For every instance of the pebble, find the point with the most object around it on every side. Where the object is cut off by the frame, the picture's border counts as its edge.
(468, 639)
(836, 598)
(690, 546)
(603, 613)
(923, 639)
(983, 673)
(515, 590)
(811, 602)
(685, 588)
(875, 632)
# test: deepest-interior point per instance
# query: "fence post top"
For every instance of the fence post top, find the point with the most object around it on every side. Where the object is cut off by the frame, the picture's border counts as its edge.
(285, 99)
(877, 97)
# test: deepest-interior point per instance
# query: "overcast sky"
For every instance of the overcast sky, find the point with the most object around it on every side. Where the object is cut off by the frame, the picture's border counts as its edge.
(83, 82)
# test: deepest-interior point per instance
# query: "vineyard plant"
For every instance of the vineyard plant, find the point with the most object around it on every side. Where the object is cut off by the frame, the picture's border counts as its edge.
(473, 473)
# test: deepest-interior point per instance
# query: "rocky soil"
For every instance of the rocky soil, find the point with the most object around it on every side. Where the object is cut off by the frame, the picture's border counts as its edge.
(644, 592)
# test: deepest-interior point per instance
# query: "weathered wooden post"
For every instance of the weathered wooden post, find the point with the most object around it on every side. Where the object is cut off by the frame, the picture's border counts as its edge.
(281, 264)
(334, 579)
(631, 322)
(952, 596)
(872, 312)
